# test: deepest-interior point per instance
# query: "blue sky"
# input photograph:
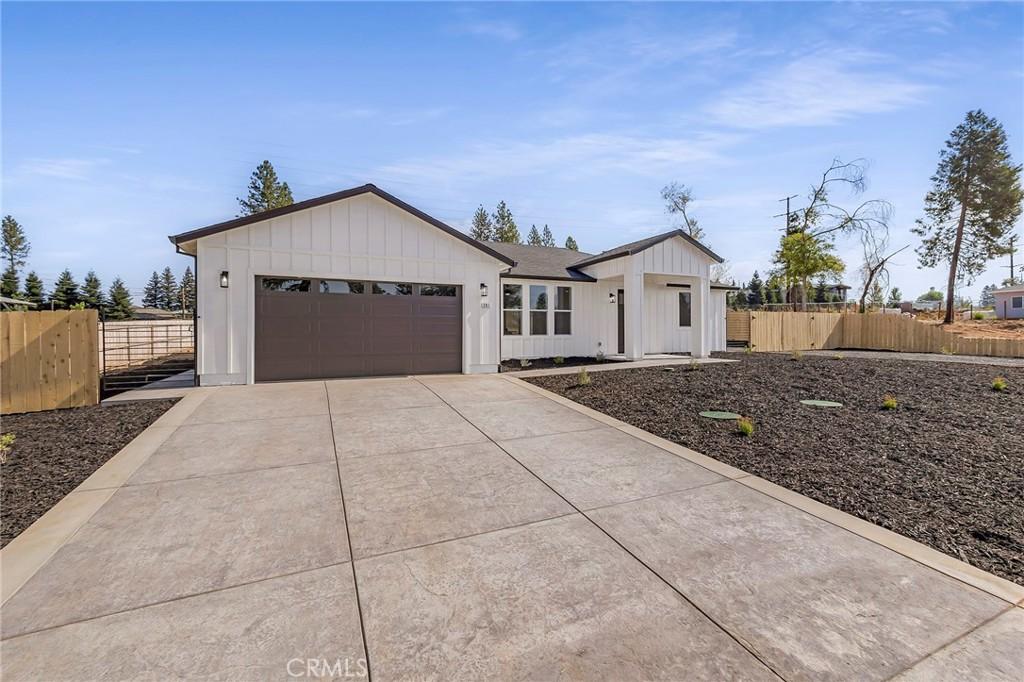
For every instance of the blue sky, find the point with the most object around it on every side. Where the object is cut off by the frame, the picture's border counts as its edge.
(123, 123)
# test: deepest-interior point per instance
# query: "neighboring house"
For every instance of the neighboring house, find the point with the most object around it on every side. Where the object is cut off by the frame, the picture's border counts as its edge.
(154, 314)
(359, 283)
(8, 303)
(1010, 302)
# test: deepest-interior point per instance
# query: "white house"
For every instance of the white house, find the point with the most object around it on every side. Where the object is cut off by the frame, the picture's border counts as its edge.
(359, 283)
(1010, 302)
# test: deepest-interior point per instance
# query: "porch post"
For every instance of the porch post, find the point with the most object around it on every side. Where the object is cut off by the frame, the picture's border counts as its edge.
(701, 308)
(633, 285)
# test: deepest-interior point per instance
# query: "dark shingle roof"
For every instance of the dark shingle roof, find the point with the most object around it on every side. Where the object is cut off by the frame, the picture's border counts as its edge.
(642, 244)
(541, 262)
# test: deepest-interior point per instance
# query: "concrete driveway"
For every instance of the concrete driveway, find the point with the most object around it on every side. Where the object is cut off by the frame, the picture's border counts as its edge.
(471, 528)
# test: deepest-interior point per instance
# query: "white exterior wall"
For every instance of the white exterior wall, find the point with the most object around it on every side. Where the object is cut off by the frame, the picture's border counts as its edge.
(363, 237)
(716, 325)
(662, 333)
(1004, 305)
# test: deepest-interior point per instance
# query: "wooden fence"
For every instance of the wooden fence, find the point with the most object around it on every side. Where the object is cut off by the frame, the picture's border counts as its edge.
(48, 360)
(766, 331)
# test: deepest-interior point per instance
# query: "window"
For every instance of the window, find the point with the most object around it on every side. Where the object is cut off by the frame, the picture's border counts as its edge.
(684, 309)
(538, 310)
(512, 309)
(1017, 302)
(563, 310)
(436, 290)
(339, 286)
(282, 284)
(392, 289)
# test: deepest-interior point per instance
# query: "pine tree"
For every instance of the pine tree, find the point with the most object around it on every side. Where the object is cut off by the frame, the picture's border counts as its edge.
(65, 292)
(92, 292)
(741, 299)
(119, 301)
(534, 238)
(755, 289)
(546, 238)
(976, 198)
(483, 228)
(988, 296)
(505, 229)
(265, 191)
(895, 298)
(14, 248)
(34, 289)
(169, 291)
(188, 289)
(876, 299)
(152, 295)
(570, 244)
(821, 291)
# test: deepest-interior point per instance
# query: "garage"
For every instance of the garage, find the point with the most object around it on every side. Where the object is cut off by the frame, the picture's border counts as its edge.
(315, 328)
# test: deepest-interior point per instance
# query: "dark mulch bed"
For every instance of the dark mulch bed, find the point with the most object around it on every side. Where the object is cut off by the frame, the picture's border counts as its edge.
(56, 450)
(946, 468)
(545, 363)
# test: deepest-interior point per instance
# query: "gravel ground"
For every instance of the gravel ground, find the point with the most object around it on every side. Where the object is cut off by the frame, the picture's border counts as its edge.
(545, 363)
(945, 468)
(56, 450)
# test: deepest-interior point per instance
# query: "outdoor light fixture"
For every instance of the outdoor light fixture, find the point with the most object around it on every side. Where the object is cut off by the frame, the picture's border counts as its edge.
(483, 290)
(223, 279)
(611, 297)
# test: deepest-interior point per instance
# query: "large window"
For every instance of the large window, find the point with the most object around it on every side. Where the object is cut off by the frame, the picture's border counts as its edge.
(512, 309)
(563, 310)
(538, 310)
(1017, 302)
(684, 308)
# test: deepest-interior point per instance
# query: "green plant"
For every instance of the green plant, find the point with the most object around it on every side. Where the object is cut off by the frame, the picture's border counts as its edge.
(694, 365)
(6, 442)
(889, 402)
(583, 377)
(796, 356)
(745, 425)
(978, 316)
(837, 356)
(748, 350)
(559, 360)
(1000, 384)
(948, 351)
(524, 363)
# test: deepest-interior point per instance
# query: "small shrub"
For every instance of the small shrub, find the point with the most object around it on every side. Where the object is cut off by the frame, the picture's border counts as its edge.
(693, 366)
(837, 356)
(1000, 384)
(6, 441)
(583, 378)
(748, 350)
(745, 425)
(889, 402)
(978, 316)
(948, 351)
(524, 363)
(796, 356)
(559, 360)
(600, 356)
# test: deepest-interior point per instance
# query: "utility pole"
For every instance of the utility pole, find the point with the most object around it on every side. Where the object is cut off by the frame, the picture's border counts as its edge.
(787, 213)
(1013, 247)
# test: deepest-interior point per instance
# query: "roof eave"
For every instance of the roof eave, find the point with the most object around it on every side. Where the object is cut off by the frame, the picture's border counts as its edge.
(665, 237)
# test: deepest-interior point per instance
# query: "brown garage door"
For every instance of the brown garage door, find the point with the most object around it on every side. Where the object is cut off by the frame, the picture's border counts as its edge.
(308, 328)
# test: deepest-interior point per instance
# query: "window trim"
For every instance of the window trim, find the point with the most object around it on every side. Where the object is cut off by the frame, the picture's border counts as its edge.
(546, 309)
(556, 310)
(504, 330)
(686, 295)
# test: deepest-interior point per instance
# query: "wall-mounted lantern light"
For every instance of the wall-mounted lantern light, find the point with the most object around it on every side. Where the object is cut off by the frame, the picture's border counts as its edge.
(611, 297)
(483, 290)
(223, 279)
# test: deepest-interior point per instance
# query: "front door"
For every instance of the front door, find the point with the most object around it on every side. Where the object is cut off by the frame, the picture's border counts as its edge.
(621, 298)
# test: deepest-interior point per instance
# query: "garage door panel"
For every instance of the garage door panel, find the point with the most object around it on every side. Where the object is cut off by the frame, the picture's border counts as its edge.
(320, 335)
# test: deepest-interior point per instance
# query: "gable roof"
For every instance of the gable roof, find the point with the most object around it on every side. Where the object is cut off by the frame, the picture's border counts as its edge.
(198, 233)
(542, 262)
(644, 244)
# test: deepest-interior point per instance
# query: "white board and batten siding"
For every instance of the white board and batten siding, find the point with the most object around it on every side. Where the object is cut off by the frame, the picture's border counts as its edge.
(362, 237)
(593, 320)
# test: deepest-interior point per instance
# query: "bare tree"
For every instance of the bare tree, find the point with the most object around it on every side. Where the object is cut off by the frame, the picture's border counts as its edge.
(677, 200)
(876, 269)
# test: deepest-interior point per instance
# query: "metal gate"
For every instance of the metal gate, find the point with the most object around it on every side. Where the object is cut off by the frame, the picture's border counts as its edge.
(137, 353)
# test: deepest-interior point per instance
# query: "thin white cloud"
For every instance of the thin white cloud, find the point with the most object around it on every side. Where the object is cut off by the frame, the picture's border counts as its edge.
(822, 88)
(483, 28)
(65, 169)
(575, 156)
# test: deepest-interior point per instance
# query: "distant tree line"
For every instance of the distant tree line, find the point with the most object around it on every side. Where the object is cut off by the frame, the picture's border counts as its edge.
(500, 226)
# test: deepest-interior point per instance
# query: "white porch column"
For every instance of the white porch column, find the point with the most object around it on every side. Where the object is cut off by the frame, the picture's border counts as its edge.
(700, 303)
(633, 285)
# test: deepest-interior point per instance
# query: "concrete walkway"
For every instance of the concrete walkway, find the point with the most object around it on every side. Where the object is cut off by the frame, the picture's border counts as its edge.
(467, 528)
